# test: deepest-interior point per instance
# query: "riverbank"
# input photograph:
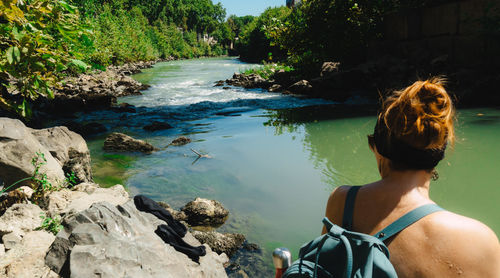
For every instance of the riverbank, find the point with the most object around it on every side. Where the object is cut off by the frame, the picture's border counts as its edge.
(55, 224)
(469, 86)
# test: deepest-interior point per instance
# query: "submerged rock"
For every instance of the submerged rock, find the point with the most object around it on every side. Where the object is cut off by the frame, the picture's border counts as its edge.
(124, 107)
(121, 142)
(87, 129)
(203, 212)
(154, 126)
(119, 241)
(180, 141)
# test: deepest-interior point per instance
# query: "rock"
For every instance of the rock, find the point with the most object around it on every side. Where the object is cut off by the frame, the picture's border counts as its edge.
(20, 218)
(27, 258)
(85, 187)
(154, 126)
(119, 241)
(19, 146)
(91, 128)
(275, 88)
(2, 250)
(302, 87)
(219, 83)
(178, 215)
(251, 246)
(11, 240)
(17, 196)
(226, 88)
(124, 107)
(69, 149)
(328, 68)
(203, 212)
(121, 142)
(73, 201)
(248, 81)
(180, 141)
(220, 243)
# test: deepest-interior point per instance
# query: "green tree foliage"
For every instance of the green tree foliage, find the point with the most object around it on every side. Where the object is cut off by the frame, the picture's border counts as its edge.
(37, 41)
(256, 42)
(43, 40)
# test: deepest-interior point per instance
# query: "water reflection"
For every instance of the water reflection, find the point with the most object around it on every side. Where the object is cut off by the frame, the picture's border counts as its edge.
(335, 138)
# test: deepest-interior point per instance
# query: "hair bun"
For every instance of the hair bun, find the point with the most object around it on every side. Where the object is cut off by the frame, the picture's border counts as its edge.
(420, 115)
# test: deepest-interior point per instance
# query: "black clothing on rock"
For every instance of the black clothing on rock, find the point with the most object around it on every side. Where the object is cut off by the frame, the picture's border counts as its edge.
(170, 236)
(145, 204)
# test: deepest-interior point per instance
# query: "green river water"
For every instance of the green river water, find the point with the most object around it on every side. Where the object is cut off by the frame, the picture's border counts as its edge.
(276, 158)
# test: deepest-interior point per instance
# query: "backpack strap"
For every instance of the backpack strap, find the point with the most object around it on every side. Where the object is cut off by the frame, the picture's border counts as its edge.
(349, 207)
(406, 220)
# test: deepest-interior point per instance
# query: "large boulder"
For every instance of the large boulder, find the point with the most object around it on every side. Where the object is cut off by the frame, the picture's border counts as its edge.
(121, 142)
(220, 243)
(119, 241)
(203, 212)
(69, 149)
(27, 259)
(19, 146)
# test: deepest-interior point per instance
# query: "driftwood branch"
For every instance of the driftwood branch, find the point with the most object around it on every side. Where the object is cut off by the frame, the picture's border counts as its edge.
(201, 155)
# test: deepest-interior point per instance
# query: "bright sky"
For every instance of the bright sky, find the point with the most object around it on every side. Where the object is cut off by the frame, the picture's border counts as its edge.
(248, 7)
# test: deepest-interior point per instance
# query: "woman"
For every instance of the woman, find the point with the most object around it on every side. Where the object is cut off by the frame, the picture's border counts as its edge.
(411, 134)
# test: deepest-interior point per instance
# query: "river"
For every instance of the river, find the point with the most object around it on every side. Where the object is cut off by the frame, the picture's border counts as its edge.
(275, 158)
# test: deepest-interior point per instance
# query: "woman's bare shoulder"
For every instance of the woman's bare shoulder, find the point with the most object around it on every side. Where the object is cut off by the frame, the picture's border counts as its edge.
(335, 204)
(465, 242)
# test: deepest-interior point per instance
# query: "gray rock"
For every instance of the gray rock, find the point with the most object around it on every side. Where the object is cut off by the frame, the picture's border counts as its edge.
(180, 141)
(119, 241)
(69, 149)
(221, 243)
(122, 142)
(10, 240)
(20, 218)
(203, 212)
(19, 147)
(73, 201)
(27, 259)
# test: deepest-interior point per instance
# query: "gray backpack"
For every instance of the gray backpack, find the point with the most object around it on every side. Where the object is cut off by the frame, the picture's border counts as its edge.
(342, 253)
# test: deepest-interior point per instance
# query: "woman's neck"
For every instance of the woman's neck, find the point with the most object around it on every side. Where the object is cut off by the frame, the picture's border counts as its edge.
(404, 185)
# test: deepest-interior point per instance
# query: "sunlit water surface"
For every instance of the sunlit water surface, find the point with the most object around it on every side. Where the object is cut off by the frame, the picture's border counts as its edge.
(275, 158)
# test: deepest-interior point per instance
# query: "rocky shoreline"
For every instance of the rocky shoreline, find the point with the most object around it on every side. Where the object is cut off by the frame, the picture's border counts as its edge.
(101, 230)
(469, 85)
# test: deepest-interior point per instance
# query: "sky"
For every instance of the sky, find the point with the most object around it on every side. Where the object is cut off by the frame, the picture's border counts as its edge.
(248, 7)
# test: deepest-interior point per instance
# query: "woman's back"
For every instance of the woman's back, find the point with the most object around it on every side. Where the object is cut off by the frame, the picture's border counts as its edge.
(442, 244)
